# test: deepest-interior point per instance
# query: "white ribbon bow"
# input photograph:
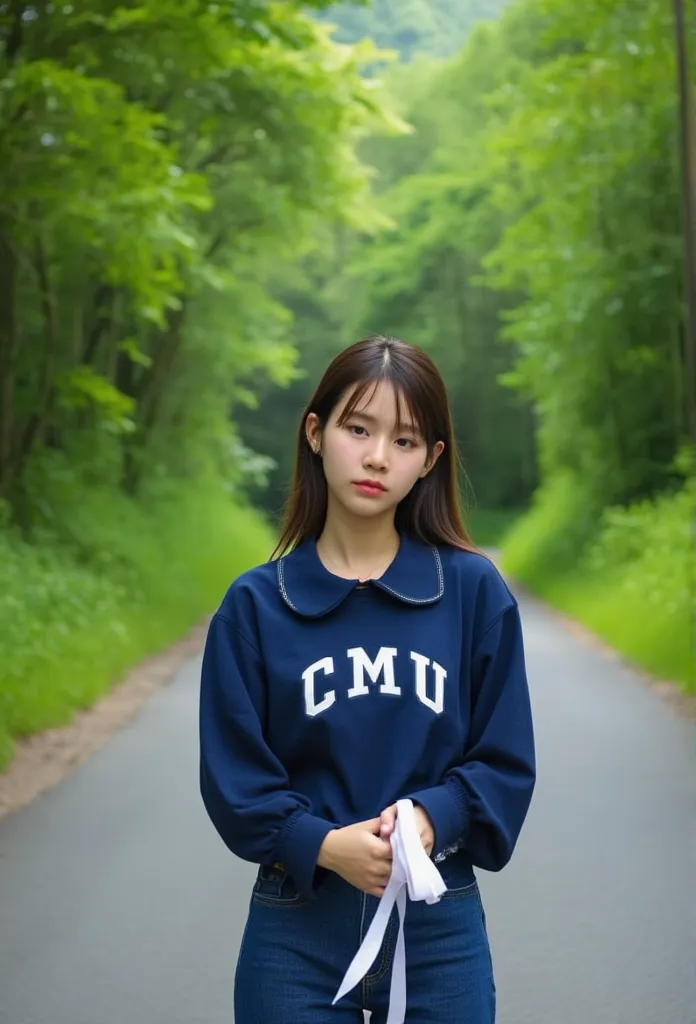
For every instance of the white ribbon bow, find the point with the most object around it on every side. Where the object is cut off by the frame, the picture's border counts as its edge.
(412, 869)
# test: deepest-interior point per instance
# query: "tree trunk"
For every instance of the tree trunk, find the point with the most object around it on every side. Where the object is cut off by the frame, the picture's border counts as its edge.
(46, 382)
(8, 348)
(149, 393)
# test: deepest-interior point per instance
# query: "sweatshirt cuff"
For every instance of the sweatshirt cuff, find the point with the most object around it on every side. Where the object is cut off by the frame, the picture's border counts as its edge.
(298, 849)
(448, 813)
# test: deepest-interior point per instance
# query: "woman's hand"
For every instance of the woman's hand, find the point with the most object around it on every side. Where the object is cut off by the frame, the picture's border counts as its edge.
(425, 826)
(357, 854)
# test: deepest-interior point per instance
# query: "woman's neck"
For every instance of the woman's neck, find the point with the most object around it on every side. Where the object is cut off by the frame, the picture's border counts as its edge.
(357, 548)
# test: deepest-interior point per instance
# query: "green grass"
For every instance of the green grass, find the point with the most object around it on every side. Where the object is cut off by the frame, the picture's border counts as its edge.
(121, 583)
(628, 574)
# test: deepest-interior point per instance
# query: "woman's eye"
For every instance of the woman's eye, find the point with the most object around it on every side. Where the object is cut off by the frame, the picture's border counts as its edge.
(354, 428)
(406, 442)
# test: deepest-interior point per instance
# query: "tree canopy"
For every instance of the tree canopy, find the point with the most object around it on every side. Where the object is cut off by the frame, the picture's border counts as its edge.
(534, 247)
(154, 157)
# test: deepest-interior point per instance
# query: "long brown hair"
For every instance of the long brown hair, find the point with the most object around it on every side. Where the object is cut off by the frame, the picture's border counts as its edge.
(431, 511)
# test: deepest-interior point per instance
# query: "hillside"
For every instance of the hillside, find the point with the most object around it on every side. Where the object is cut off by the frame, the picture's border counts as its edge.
(434, 27)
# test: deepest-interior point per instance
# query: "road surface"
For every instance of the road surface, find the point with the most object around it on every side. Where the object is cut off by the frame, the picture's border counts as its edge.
(119, 905)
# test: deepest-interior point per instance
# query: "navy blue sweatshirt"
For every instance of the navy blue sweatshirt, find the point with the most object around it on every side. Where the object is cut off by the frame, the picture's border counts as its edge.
(323, 702)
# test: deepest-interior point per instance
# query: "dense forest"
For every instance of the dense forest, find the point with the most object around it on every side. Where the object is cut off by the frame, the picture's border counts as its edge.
(201, 203)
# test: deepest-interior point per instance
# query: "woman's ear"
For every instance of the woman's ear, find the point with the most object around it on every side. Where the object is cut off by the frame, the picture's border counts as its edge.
(438, 449)
(313, 432)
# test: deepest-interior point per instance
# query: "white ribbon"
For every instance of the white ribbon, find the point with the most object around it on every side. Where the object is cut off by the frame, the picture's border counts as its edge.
(412, 870)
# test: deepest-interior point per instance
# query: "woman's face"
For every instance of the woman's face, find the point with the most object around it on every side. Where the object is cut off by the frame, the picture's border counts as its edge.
(371, 461)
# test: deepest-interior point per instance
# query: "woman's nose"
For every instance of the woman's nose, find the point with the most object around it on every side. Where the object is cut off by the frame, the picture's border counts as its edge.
(378, 455)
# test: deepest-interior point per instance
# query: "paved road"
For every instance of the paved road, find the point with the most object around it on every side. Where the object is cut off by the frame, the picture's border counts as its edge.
(118, 905)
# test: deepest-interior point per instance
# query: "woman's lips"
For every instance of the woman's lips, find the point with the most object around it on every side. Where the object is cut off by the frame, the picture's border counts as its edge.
(369, 487)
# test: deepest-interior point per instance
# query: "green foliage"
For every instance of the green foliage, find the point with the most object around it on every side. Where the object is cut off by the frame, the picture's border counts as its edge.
(592, 243)
(630, 577)
(109, 584)
(554, 532)
(84, 390)
(488, 528)
(154, 157)
(582, 162)
(420, 279)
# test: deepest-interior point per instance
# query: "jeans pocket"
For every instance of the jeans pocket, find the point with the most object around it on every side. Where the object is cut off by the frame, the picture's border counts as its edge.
(275, 888)
(461, 892)
(458, 875)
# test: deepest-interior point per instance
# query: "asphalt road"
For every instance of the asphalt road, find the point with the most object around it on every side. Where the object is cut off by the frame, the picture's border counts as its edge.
(119, 905)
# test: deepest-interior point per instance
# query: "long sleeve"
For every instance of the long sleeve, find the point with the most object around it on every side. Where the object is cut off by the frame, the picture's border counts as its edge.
(482, 802)
(244, 786)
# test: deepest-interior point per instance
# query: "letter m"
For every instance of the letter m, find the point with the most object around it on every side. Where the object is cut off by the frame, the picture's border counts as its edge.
(383, 666)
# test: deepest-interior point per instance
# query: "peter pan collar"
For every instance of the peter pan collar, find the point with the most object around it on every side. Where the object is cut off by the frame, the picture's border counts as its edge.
(415, 577)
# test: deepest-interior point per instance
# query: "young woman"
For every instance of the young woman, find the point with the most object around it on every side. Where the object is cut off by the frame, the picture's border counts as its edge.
(376, 657)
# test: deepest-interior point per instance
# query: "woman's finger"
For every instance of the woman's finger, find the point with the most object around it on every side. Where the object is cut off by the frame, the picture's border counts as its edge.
(387, 821)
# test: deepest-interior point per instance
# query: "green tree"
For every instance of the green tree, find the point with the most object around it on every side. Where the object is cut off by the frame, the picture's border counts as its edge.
(586, 160)
(155, 157)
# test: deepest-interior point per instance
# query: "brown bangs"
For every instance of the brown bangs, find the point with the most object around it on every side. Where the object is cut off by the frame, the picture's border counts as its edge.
(408, 415)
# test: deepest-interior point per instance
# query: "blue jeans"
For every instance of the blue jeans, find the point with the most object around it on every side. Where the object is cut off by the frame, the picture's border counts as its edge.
(295, 952)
